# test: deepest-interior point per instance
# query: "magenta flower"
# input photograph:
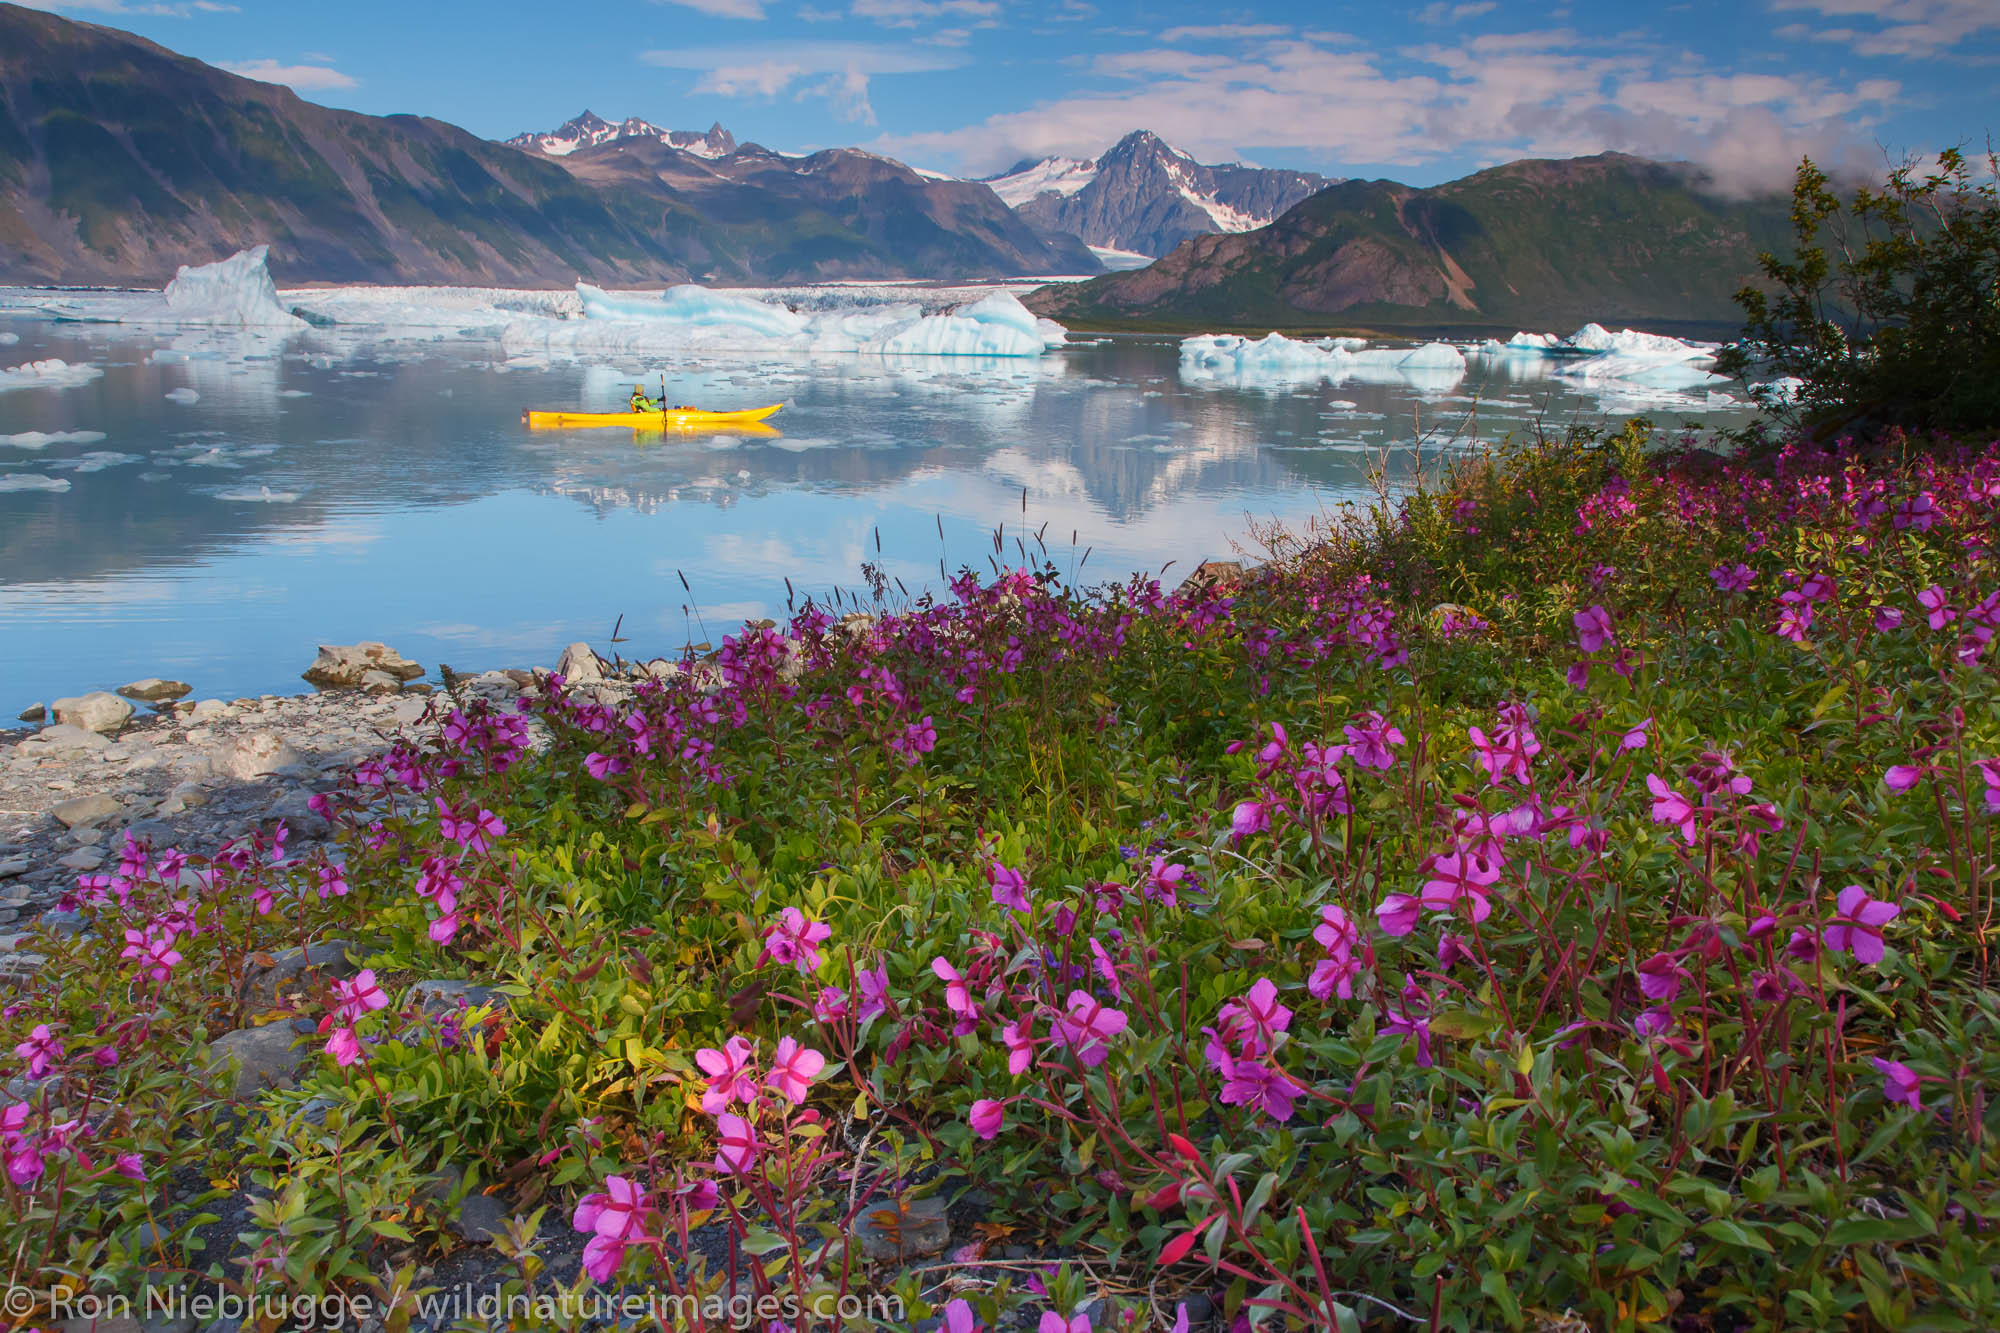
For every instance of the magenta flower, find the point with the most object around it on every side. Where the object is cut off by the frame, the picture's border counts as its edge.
(1336, 931)
(1593, 629)
(1369, 740)
(1334, 976)
(1900, 1083)
(1255, 1021)
(1252, 1083)
(1794, 620)
(1660, 977)
(1088, 1027)
(958, 1318)
(830, 1005)
(1010, 887)
(131, 1166)
(1902, 777)
(332, 882)
(1636, 738)
(1670, 807)
(1888, 618)
(1857, 924)
(1397, 914)
(873, 985)
(1460, 877)
(1918, 512)
(795, 938)
(987, 1117)
(1932, 599)
(474, 833)
(793, 1068)
(41, 1050)
(604, 767)
(1164, 879)
(154, 949)
(1733, 578)
(615, 1220)
(736, 1147)
(1055, 1323)
(957, 993)
(1020, 1045)
(732, 1075)
(352, 999)
(344, 1045)
(1249, 817)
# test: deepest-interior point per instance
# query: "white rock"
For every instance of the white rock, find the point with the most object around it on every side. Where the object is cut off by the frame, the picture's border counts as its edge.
(253, 755)
(578, 665)
(341, 666)
(64, 737)
(208, 710)
(100, 711)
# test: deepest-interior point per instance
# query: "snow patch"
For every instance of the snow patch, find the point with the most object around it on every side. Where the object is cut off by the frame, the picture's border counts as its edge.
(50, 374)
(1052, 175)
(41, 439)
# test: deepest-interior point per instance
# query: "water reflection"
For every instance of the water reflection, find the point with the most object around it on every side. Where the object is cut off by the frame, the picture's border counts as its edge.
(338, 484)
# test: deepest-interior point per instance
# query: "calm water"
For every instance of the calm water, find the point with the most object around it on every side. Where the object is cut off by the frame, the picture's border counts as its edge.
(322, 489)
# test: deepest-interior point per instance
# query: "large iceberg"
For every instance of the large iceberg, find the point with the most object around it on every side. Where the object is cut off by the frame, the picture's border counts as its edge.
(50, 374)
(692, 319)
(236, 291)
(1276, 361)
(1635, 369)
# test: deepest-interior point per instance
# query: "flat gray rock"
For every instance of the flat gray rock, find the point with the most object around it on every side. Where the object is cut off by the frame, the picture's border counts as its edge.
(100, 711)
(265, 1057)
(80, 812)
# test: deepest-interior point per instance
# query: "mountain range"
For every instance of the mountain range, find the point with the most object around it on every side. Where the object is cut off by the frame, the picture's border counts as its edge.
(1535, 244)
(589, 130)
(120, 160)
(1146, 196)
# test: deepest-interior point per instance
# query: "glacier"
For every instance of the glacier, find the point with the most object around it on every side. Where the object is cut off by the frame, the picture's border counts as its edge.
(53, 373)
(1276, 361)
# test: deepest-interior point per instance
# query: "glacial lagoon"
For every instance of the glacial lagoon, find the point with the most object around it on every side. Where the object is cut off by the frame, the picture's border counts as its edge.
(218, 501)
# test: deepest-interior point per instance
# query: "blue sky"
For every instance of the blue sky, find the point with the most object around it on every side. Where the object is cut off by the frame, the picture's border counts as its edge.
(1419, 92)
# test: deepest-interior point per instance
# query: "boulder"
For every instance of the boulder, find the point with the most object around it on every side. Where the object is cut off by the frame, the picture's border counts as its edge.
(892, 1231)
(100, 711)
(341, 666)
(262, 1057)
(209, 710)
(254, 754)
(153, 690)
(578, 665)
(379, 682)
(64, 737)
(81, 812)
(34, 713)
(296, 972)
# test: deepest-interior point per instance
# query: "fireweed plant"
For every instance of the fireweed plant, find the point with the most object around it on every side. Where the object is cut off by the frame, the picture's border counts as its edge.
(1563, 893)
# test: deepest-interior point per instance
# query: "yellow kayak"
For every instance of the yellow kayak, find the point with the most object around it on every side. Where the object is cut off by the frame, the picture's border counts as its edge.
(672, 418)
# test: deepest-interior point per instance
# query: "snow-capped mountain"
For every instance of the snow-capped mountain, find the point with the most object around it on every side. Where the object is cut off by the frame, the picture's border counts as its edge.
(589, 130)
(1145, 195)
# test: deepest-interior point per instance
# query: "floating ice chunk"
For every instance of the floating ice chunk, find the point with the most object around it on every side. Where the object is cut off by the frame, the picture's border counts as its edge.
(1276, 361)
(182, 395)
(693, 320)
(259, 495)
(1641, 369)
(1522, 344)
(95, 461)
(50, 374)
(9, 339)
(294, 393)
(1638, 346)
(32, 481)
(1783, 390)
(234, 291)
(38, 439)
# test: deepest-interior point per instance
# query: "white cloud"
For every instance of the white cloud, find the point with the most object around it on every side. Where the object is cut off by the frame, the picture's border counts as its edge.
(909, 13)
(1441, 14)
(1223, 32)
(299, 78)
(1491, 97)
(722, 9)
(1917, 29)
(836, 71)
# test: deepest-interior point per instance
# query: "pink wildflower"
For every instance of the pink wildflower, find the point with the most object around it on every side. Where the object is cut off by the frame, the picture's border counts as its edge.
(1902, 777)
(1020, 1041)
(957, 993)
(1857, 924)
(795, 938)
(354, 998)
(1088, 1027)
(736, 1147)
(1900, 1083)
(793, 1068)
(1398, 913)
(344, 1046)
(41, 1050)
(1670, 807)
(987, 1117)
(1010, 887)
(732, 1076)
(615, 1220)
(1593, 629)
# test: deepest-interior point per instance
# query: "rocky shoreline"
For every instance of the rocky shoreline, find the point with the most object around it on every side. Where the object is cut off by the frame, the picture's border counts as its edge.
(196, 773)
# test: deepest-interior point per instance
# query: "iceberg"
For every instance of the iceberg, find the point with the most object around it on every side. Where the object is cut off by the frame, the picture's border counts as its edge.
(32, 481)
(50, 374)
(8, 339)
(236, 291)
(42, 439)
(692, 319)
(1276, 361)
(1637, 346)
(182, 395)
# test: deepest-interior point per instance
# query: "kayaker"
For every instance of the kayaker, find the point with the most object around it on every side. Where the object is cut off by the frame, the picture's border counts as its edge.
(640, 402)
